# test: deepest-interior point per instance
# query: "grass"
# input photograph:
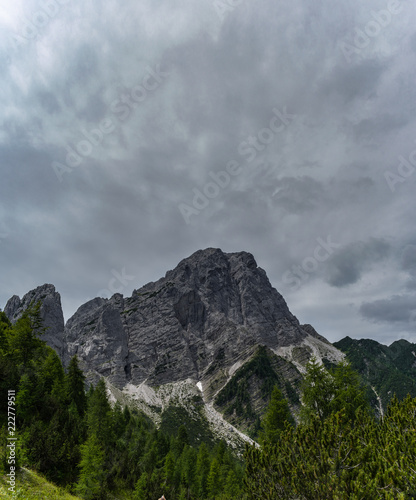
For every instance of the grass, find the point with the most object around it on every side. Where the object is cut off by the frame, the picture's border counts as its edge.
(32, 486)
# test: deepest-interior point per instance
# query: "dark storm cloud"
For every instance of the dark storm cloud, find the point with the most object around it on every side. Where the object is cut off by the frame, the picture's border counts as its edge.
(407, 263)
(355, 82)
(348, 265)
(118, 208)
(397, 309)
(408, 259)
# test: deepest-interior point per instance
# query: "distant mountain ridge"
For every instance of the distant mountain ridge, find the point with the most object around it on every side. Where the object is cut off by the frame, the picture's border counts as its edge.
(387, 370)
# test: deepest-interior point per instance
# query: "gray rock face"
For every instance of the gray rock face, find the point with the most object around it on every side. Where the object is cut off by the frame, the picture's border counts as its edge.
(200, 322)
(213, 304)
(96, 334)
(182, 337)
(51, 313)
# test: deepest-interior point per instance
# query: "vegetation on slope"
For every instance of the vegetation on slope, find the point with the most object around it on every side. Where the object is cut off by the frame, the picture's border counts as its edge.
(339, 449)
(390, 370)
(95, 450)
(33, 486)
(246, 395)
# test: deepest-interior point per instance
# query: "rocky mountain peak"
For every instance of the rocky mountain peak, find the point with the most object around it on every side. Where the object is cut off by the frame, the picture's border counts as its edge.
(185, 337)
(50, 311)
(210, 312)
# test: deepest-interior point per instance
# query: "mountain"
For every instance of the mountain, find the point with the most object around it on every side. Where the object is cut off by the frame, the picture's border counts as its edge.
(50, 311)
(387, 370)
(204, 344)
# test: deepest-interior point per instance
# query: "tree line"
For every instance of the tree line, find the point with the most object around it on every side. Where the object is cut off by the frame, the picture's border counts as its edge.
(78, 440)
(338, 450)
(335, 448)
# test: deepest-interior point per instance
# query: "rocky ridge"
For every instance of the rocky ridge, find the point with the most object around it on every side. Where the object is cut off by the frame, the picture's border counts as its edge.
(196, 327)
(50, 311)
(386, 370)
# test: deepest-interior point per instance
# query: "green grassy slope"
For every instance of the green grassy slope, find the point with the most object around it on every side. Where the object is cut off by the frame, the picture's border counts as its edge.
(32, 486)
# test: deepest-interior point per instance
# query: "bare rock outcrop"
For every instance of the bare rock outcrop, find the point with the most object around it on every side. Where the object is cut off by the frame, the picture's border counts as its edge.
(213, 304)
(50, 311)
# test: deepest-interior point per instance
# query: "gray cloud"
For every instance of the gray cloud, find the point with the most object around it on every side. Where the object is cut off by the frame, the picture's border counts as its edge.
(299, 195)
(408, 259)
(397, 309)
(348, 265)
(323, 175)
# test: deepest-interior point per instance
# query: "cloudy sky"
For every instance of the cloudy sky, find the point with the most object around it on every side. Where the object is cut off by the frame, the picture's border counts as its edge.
(135, 133)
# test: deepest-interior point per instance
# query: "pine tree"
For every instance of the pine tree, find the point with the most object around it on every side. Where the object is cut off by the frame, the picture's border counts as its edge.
(189, 468)
(5, 326)
(232, 487)
(27, 398)
(141, 490)
(91, 484)
(75, 386)
(214, 485)
(169, 470)
(24, 340)
(51, 378)
(202, 470)
(349, 393)
(326, 392)
(99, 415)
(317, 392)
(276, 417)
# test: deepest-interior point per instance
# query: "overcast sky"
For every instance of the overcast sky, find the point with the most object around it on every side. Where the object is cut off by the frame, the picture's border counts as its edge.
(135, 133)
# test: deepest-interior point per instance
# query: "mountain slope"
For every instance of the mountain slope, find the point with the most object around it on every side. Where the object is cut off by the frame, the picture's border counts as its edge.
(213, 308)
(190, 335)
(32, 486)
(387, 369)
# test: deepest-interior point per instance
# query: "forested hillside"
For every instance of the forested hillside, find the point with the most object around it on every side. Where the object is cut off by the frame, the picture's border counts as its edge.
(338, 449)
(79, 441)
(388, 370)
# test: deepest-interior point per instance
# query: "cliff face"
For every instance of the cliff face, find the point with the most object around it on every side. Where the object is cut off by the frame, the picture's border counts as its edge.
(50, 311)
(186, 336)
(175, 328)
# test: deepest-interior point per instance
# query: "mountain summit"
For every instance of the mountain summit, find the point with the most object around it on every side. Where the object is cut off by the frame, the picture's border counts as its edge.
(187, 335)
(174, 329)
